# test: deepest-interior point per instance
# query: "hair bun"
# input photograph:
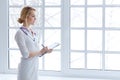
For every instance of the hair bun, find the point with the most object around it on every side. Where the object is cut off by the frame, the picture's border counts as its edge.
(20, 20)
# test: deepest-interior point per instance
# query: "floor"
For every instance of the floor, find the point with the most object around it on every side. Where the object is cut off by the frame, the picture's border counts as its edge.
(13, 77)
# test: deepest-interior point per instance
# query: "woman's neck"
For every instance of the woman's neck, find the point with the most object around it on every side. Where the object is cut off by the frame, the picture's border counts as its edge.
(26, 26)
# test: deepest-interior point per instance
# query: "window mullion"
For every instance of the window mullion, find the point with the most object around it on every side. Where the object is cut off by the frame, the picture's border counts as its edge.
(65, 38)
(103, 37)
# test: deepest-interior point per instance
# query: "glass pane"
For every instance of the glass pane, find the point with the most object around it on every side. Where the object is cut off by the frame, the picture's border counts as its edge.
(112, 41)
(94, 2)
(112, 61)
(53, 61)
(52, 17)
(52, 36)
(14, 59)
(110, 2)
(16, 2)
(94, 17)
(112, 17)
(12, 42)
(34, 2)
(94, 61)
(13, 17)
(94, 40)
(77, 2)
(77, 40)
(77, 60)
(52, 2)
(77, 17)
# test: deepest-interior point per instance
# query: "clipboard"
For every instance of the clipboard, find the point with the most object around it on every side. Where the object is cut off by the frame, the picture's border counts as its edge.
(54, 45)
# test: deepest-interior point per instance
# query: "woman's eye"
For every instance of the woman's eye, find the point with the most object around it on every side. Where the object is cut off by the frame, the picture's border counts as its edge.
(33, 16)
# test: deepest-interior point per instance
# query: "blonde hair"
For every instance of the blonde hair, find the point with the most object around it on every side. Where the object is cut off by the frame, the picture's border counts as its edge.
(24, 13)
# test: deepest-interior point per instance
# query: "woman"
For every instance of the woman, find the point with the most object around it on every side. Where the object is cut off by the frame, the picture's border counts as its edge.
(28, 45)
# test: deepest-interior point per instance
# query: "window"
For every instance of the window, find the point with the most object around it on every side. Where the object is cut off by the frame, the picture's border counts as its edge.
(88, 31)
(94, 30)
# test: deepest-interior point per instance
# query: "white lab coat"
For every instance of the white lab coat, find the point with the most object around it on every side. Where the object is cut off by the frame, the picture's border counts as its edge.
(28, 67)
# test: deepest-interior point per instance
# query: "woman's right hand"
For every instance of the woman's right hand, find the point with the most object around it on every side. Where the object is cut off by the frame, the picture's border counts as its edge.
(44, 50)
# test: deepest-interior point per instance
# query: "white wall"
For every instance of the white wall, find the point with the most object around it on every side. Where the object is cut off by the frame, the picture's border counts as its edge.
(3, 33)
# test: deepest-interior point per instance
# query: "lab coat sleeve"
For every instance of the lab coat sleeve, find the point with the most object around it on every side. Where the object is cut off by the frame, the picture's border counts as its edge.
(19, 37)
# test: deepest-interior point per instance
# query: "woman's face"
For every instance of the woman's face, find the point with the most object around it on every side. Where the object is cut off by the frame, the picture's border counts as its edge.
(31, 18)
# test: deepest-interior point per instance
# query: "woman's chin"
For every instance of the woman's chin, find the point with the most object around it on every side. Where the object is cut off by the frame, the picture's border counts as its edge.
(32, 24)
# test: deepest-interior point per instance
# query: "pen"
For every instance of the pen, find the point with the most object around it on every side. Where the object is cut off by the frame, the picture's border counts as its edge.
(43, 46)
